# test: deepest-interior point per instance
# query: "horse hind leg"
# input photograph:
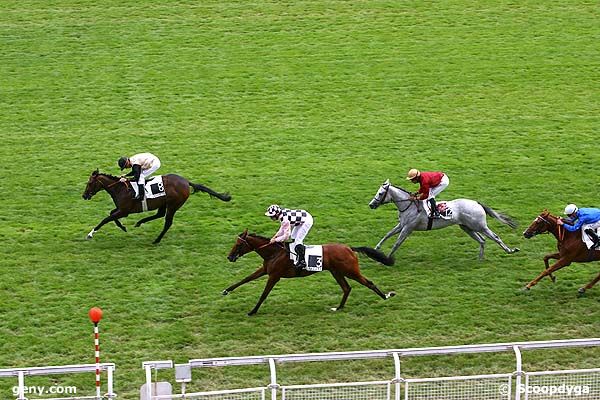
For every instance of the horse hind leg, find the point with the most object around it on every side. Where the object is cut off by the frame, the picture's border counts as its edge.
(345, 289)
(477, 237)
(358, 277)
(171, 210)
(161, 213)
(489, 233)
(589, 285)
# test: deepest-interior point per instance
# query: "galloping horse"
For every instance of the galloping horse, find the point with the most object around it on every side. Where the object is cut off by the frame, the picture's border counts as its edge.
(412, 216)
(570, 248)
(177, 191)
(338, 259)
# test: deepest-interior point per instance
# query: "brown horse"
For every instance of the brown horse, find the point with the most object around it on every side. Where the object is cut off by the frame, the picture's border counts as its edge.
(570, 248)
(177, 191)
(338, 259)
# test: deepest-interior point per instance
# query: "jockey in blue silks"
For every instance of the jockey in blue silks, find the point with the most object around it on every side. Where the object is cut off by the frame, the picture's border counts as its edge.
(588, 219)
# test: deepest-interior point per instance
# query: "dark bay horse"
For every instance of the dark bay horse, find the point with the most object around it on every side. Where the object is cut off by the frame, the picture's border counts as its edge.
(177, 191)
(570, 248)
(338, 259)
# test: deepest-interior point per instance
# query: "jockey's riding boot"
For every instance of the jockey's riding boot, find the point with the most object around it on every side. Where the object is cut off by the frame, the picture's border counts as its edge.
(140, 195)
(592, 233)
(300, 263)
(434, 211)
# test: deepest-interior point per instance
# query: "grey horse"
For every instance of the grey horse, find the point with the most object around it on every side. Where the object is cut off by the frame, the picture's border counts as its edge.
(413, 216)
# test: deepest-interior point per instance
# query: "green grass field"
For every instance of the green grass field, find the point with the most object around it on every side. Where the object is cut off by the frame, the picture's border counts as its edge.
(306, 104)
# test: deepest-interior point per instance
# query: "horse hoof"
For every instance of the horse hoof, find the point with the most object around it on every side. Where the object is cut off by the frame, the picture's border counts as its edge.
(251, 313)
(334, 309)
(225, 292)
(88, 237)
(581, 292)
(138, 225)
(516, 250)
(156, 242)
(553, 279)
(390, 295)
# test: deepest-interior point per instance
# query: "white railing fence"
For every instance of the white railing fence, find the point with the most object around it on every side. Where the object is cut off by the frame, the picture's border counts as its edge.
(21, 373)
(515, 384)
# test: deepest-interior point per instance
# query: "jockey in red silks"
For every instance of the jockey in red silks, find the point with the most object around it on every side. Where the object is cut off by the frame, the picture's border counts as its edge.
(431, 184)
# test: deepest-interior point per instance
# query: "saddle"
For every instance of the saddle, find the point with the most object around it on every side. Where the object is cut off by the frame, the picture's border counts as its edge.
(313, 256)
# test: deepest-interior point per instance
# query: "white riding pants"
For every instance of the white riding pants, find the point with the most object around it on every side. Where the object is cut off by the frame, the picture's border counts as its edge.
(147, 172)
(434, 191)
(299, 232)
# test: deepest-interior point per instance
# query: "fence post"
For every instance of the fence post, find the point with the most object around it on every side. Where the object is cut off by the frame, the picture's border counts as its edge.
(21, 392)
(518, 372)
(397, 377)
(273, 385)
(109, 382)
(149, 381)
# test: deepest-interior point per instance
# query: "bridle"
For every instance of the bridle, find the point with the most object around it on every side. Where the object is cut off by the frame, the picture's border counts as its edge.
(379, 199)
(561, 230)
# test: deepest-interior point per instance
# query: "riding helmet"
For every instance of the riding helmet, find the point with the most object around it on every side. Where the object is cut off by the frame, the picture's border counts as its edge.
(122, 162)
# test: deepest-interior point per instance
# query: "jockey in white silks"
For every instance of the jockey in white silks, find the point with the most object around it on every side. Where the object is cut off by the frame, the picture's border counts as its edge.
(588, 219)
(142, 166)
(295, 224)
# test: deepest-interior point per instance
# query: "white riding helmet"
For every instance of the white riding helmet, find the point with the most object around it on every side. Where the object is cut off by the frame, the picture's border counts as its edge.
(273, 210)
(570, 209)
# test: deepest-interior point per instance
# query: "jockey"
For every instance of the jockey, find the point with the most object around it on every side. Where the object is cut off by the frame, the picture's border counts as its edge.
(142, 165)
(588, 219)
(431, 184)
(294, 224)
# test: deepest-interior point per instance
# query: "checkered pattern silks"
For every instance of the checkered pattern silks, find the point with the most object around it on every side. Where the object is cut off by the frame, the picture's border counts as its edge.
(296, 217)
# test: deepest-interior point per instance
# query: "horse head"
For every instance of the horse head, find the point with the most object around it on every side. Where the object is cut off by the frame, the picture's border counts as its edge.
(242, 246)
(541, 224)
(93, 186)
(381, 197)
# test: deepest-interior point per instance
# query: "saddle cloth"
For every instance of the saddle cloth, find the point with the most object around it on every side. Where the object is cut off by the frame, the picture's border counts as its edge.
(442, 207)
(586, 238)
(154, 187)
(313, 256)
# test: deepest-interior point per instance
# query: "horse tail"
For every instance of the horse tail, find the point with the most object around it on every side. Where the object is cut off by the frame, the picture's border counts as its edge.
(198, 187)
(505, 219)
(376, 255)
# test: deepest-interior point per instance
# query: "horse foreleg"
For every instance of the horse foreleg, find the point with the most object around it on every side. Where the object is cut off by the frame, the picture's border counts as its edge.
(401, 238)
(388, 235)
(270, 283)
(555, 267)
(114, 216)
(255, 275)
(477, 237)
(118, 223)
(345, 289)
(589, 285)
(489, 233)
(547, 257)
(161, 213)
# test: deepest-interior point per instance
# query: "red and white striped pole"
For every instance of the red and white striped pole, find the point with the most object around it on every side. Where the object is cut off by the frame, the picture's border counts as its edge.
(96, 315)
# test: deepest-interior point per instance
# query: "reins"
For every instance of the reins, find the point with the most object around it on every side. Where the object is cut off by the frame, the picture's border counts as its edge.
(384, 194)
(560, 229)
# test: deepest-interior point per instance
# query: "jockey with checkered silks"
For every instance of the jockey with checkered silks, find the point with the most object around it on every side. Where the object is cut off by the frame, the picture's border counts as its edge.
(431, 184)
(142, 166)
(295, 224)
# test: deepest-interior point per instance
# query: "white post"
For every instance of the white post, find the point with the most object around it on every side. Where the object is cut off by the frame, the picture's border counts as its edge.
(149, 382)
(109, 381)
(397, 378)
(273, 384)
(21, 392)
(518, 372)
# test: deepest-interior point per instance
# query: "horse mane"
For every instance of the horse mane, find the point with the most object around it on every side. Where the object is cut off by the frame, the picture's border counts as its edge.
(258, 236)
(109, 176)
(399, 188)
